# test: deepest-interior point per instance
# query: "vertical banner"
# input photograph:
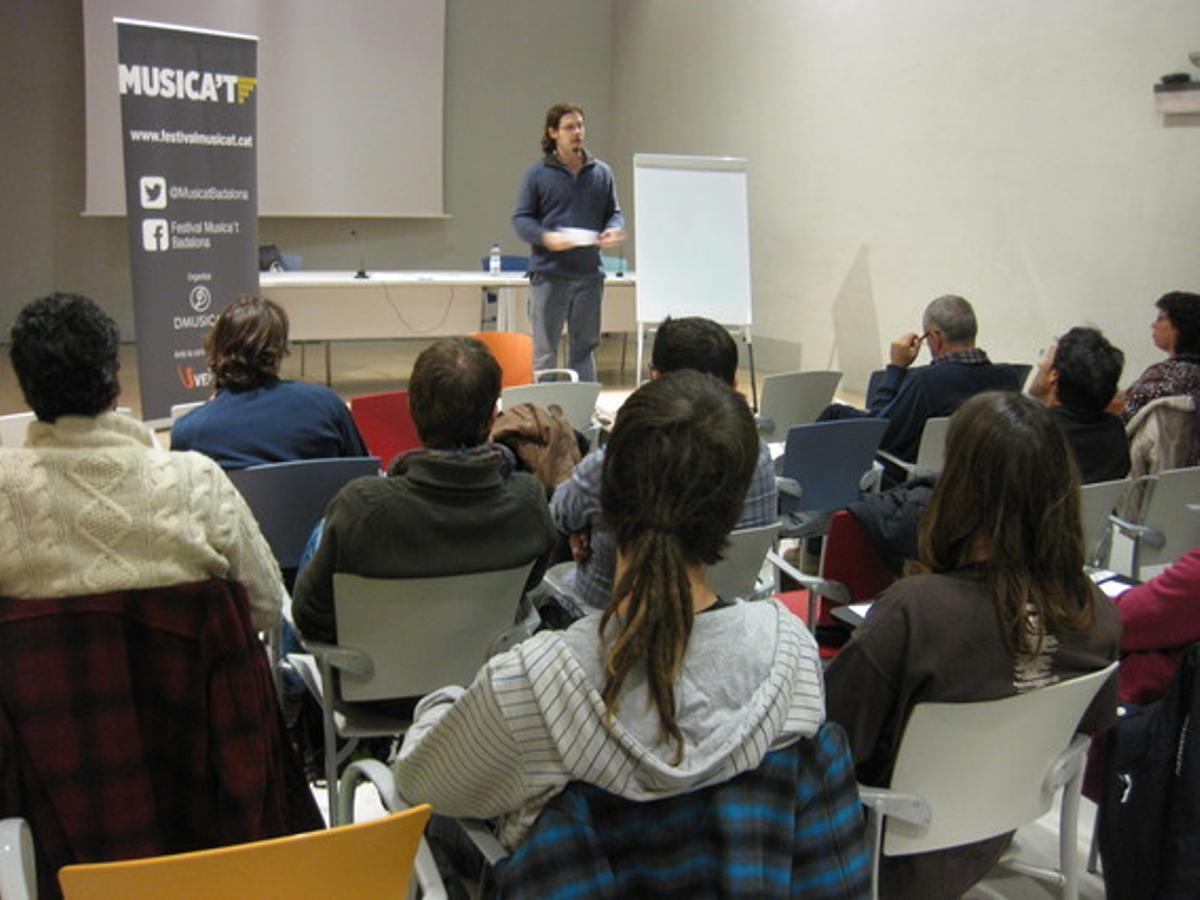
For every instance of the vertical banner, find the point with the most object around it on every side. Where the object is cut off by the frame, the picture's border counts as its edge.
(188, 120)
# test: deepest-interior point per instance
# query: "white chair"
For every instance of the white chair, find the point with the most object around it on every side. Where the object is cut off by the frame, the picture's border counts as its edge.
(577, 399)
(965, 772)
(1170, 522)
(931, 451)
(793, 398)
(401, 638)
(179, 410)
(13, 426)
(1097, 501)
(736, 575)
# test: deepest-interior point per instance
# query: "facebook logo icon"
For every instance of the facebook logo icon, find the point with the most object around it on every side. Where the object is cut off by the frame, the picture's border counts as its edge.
(154, 235)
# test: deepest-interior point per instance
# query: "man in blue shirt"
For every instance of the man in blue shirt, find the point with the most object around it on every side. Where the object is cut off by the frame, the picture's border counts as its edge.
(566, 210)
(908, 396)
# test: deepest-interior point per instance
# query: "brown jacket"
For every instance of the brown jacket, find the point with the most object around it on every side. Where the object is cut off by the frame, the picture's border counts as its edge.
(542, 439)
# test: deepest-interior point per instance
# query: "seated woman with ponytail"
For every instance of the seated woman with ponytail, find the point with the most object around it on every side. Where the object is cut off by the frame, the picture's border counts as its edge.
(673, 688)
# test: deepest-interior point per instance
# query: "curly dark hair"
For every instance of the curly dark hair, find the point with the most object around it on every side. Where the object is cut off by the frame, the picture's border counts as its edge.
(247, 345)
(65, 351)
(1183, 309)
(1088, 367)
(452, 393)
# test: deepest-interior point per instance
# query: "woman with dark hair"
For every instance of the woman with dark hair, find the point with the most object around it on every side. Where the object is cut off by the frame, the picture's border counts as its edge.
(673, 688)
(90, 504)
(255, 417)
(1002, 606)
(1176, 331)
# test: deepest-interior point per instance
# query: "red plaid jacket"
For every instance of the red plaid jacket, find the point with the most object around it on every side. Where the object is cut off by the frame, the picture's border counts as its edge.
(142, 722)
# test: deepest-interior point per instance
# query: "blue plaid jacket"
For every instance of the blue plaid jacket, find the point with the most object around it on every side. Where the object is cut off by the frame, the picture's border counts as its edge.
(793, 827)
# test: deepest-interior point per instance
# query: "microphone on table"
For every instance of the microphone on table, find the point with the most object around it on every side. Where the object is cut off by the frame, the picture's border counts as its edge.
(362, 269)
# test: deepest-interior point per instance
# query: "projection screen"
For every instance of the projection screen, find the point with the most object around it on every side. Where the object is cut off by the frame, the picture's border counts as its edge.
(350, 99)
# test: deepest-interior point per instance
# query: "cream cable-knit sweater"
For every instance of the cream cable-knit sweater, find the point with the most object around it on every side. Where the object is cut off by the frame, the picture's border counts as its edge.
(90, 505)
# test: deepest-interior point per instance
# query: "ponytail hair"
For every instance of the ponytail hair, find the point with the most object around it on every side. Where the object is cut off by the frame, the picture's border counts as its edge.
(676, 471)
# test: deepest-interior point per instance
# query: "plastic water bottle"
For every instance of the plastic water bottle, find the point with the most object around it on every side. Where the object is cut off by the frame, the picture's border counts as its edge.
(494, 259)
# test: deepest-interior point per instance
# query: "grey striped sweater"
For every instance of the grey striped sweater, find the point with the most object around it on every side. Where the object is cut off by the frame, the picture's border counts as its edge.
(533, 719)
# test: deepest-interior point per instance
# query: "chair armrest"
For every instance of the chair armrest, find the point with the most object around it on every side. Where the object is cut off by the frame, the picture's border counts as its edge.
(484, 839)
(896, 461)
(1070, 763)
(425, 868)
(571, 374)
(381, 778)
(789, 486)
(1152, 536)
(18, 866)
(872, 479)
(905, 807)
(336, 656)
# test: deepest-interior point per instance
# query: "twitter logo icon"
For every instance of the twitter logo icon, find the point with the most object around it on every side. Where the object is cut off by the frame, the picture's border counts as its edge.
(154, 192)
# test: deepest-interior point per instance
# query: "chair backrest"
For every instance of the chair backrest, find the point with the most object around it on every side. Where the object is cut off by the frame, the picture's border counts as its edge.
(982, 767)
(849, 558)
(577, 399)
(386, 424)
(1168, 510)
(13, 427)
(422, 633)
(514, 352)
(1096, 501)
(288, 498)
(179, 410)
(931, 452)
(828, 459)
(794, 398)
(1021, 370)
(118, 690)
(369, 859)
(735, 575)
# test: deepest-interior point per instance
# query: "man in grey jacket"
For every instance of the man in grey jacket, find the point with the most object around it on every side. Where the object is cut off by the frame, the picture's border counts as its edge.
(566, 210)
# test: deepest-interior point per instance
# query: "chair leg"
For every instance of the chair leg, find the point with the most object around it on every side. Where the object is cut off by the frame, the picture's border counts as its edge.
(1068, 836)
(1093, 860)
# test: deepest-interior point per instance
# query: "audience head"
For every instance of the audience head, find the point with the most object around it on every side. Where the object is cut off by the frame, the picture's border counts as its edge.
(1007, 502)
(694, 343)
(65, 351)
(247, 345)
(676, 471)
(1081, 370)
(949, 322)
(453, 392)
(554, 117)
(1177, 328)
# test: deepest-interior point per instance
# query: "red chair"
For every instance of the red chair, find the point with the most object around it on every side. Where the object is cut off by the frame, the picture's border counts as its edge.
(385, 423)
(851, 572)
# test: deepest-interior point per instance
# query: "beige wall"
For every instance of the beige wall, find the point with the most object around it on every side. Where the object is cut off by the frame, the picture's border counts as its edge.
(1008, 151)
(505, 63)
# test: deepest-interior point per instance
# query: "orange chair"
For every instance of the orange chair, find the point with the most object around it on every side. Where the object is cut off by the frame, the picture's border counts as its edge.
(514, 352)
(370, 859)
(385, 423)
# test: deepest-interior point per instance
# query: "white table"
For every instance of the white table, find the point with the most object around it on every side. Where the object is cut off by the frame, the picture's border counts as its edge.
(337, 306)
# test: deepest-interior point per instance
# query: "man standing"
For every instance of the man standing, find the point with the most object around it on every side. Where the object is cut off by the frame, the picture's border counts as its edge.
(566, 209)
